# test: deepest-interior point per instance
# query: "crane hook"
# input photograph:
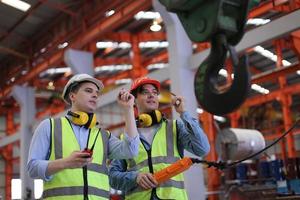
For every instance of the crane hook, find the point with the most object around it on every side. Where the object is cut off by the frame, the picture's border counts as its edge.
(211, 98)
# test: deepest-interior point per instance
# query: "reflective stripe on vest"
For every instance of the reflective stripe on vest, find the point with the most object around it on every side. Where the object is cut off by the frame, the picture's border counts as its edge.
(163, 153)
(68, 183)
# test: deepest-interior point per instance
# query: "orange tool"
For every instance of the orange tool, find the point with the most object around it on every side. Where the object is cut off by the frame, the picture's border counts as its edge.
(172, 170)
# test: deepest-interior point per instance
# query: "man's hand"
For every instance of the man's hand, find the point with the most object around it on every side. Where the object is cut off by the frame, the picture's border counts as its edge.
(77, 159)
(125, 99)
(146, 181)
(178, 102)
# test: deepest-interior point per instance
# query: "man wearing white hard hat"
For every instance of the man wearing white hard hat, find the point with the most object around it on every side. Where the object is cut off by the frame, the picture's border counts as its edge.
(70, 153)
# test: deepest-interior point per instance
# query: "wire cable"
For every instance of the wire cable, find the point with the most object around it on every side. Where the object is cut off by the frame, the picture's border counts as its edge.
(223, 165)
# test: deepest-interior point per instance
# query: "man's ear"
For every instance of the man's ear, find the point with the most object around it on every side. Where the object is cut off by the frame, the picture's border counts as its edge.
(71, 96)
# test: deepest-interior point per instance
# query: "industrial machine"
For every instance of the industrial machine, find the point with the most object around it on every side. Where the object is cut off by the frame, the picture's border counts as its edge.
(257, 177)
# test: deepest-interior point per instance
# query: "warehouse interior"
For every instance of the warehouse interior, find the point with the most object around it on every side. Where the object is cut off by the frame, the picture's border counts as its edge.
(45, 42)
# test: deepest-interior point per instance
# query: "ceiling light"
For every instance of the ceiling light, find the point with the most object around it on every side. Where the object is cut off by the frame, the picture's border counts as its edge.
(126, 45)
(123, 81)
(113, 68)
(104, 45)
(21, 5)
(60, 70)
(154, 44)
(147, 15)
(157, 66)
(258, 21)
(155, 26)
(268, 54)
(260, 89)
(63, 45)
(109, 13)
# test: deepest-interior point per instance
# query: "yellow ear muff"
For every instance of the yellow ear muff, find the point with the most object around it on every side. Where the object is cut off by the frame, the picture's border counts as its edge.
(158, 116)
(148, 119)
(83, 119)
(144, 120)
(93, 121)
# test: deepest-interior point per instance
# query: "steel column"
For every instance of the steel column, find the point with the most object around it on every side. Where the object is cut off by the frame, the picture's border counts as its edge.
(25, 97)
(286, 101)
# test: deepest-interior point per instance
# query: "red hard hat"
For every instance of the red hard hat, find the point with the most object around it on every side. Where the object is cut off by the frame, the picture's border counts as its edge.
(142, 81)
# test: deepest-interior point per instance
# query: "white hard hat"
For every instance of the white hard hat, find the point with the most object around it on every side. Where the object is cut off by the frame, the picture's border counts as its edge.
(77, 79)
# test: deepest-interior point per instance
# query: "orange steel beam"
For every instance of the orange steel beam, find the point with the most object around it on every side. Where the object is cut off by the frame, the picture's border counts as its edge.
(60, 7)
(286, 101)
(258, 100)
(142, 36)
(265, 7)
(213, 174)
(137, 69)
(111, 61)
(160, 57)
(123, 15)
(275, 73)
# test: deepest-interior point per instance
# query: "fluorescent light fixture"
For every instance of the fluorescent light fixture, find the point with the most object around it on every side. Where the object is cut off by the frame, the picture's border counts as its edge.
(154, 44)
(260, 89)
(268, 54)
(147, 15)
(106, 68)
(63, 45)
(223, 72)
(157, 66)
(123, 81)
(109, 13)
(16, 189)
(21, 5)
(104, 45)
(258, 21)
(38, 188)
(155, 27)
(43, 50)
(126, 45)
(51, 71)
(58, 70)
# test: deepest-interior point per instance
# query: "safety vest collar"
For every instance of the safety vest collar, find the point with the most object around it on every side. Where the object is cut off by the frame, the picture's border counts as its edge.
(168, 126)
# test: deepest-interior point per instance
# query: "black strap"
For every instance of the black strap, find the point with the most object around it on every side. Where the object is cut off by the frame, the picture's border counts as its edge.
(85, 182)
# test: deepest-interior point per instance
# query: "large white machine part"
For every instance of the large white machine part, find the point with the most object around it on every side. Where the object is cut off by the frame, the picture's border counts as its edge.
(235, 143)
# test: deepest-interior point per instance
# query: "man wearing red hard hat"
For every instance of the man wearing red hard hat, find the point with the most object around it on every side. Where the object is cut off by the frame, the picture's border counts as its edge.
(162, 143)
(69, 153)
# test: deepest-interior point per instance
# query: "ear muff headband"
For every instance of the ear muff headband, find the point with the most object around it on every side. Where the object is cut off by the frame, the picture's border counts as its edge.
(80, 118)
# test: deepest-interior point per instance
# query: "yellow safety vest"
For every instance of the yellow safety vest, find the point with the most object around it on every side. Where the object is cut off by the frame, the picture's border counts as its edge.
(163, 153)
(68, 184)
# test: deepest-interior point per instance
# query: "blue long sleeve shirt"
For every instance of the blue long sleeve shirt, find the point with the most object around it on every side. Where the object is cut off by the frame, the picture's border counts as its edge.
(190, 137)
(39, 151)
